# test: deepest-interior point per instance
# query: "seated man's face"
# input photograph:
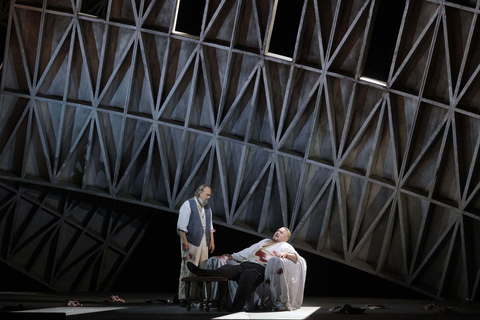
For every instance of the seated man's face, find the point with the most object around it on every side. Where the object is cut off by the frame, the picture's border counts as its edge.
(280, 235)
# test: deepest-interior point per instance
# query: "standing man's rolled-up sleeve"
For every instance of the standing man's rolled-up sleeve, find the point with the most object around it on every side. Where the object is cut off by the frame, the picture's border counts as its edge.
(184, 217)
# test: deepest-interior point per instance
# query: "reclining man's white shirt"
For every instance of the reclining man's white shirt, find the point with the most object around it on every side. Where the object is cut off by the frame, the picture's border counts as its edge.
(262, 251)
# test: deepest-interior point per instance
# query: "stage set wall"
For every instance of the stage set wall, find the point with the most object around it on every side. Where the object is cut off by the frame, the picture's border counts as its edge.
(109, 120)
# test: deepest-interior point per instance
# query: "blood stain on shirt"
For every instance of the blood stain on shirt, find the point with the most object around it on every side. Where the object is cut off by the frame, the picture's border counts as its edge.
(280, 271)
(261, 255)
(190, 256)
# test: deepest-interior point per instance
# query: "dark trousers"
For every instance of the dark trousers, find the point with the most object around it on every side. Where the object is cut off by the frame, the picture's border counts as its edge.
(248, 275)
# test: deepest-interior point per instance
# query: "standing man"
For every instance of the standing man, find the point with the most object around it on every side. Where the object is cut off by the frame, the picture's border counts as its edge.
(195, 229)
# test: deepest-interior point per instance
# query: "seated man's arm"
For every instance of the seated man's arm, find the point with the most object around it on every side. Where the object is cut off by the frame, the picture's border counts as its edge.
(287, 251)
(291, 256)
(243, 255)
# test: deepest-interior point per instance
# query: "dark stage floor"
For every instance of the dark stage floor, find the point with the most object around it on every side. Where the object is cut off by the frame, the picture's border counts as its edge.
(140, 306)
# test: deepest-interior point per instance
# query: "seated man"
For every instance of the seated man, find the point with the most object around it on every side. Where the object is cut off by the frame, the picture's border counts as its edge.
(250, 272)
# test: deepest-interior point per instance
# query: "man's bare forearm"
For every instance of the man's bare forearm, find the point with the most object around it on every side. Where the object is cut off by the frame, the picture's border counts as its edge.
(183, 235)
(292, 257)
(212, 243)
(183, 240)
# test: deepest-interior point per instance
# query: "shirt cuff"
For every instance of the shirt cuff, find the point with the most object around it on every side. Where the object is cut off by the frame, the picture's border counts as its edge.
(182, 229)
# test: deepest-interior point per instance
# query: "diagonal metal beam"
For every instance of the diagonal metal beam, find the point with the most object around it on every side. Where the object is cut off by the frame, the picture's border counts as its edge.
(434, 248)
(238, 98)
(55, 55)
(416, 45)
(250, 192)
(347, 34)
(75, 144)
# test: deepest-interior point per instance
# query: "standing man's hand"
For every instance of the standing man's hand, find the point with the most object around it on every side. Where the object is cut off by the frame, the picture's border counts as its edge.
(185, 246)
(183, 239)
(211, 246)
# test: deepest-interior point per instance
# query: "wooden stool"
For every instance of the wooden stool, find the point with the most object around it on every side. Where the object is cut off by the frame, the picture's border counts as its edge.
(206, 283)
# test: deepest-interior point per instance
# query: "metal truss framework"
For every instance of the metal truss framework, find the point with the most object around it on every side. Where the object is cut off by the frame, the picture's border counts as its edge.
(68, 241)
(384, 179)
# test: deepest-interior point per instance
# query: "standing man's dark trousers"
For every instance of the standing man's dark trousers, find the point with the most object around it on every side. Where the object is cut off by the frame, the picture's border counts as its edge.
(249, 276)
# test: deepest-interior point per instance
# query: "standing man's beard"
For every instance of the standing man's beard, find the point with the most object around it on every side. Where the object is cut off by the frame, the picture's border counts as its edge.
(202, 201)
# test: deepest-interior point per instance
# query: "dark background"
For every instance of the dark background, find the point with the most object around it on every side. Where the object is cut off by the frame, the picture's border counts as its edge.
(155, 267)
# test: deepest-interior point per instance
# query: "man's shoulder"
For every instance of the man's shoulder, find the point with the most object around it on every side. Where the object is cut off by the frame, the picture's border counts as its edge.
(186, 204)
(259, 243)
(286, 244)
(188, 201)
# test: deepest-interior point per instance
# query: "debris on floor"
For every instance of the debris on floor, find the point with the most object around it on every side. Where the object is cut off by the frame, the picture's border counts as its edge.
(431, 306)
(113, 298)
(436, 307)
(73, 303)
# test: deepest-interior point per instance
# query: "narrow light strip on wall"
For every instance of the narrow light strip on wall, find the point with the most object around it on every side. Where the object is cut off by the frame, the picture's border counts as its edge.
(374, 81)
(384, 33)
(188, 17)
(284, 28)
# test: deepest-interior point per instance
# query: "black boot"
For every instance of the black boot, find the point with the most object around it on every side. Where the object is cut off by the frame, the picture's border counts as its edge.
(195, 270)
(182, 303)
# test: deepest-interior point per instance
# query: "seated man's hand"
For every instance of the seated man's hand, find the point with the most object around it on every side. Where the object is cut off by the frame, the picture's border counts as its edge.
(227, 255)
(281, 254)
(286, 255)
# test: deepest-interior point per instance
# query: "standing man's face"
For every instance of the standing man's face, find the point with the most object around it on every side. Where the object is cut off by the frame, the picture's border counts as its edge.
(205, 195)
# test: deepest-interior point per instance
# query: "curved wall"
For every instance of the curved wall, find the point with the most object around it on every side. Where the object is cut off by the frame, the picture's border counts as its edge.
(383, 179)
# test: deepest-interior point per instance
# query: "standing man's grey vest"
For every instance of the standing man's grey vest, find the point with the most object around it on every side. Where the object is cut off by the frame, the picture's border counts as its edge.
(195, 227)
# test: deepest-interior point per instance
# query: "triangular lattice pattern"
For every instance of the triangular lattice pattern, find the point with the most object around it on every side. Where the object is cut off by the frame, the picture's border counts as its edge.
(68, 241)
(384, 179)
